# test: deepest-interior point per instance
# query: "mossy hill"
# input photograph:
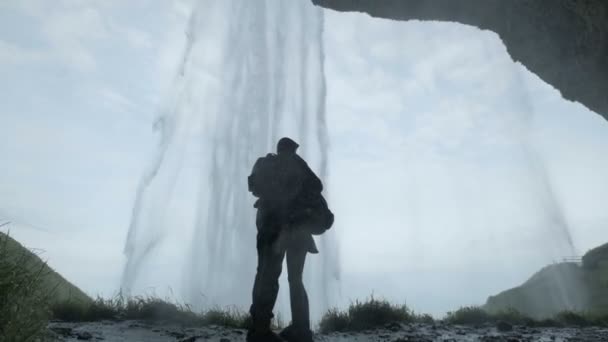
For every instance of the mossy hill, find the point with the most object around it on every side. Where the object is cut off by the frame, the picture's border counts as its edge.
(51, 282)
(562, 286)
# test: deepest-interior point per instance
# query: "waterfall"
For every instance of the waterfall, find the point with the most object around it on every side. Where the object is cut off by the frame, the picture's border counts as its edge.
(251, 72)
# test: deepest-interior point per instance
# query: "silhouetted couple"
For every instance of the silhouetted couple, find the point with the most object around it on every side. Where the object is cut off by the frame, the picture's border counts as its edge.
(290, 210)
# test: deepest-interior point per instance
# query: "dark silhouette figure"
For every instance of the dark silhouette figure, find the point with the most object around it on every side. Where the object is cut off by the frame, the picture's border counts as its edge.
(285, 186)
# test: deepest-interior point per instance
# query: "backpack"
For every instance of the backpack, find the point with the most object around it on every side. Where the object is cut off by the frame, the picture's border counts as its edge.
(309, 210)
(312, 214)
(265, 181)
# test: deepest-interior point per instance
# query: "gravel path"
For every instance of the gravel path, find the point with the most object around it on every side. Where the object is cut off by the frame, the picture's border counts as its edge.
(134, 331)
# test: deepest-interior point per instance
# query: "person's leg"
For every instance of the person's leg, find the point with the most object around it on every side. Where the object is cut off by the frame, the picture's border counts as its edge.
(300, 316)
(256, 283)
(266, 285)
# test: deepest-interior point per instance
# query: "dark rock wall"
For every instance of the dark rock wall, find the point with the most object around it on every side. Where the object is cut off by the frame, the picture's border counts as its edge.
(564, 42)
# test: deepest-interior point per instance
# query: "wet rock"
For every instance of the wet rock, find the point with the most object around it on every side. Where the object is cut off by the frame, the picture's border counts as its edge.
(224, 340)
(190, 339)
(85, 336)
(176, 334)
(63, 331)
(504, 326)
(394, 327)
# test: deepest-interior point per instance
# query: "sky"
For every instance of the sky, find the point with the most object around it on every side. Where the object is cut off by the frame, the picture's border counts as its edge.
(454, 172)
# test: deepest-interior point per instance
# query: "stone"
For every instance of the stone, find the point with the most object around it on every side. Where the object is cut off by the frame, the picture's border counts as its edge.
(504, 326)
(65, 332)
(394, 327)
(176, 334)
(189, 339)
(84, 336)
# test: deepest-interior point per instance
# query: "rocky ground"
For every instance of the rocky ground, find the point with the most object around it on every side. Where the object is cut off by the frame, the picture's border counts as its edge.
(134, 331)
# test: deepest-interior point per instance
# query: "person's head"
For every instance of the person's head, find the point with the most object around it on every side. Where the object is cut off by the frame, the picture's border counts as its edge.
(286, 145)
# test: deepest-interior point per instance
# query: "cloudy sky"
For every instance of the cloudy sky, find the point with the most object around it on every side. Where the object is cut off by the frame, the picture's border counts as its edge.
(455, 173)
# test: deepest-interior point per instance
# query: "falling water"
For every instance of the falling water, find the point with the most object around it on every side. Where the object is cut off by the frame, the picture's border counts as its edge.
(251, 72)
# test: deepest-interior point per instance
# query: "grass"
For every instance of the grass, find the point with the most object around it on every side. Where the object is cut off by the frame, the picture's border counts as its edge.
(361, 315)
(48, 281)
(150, 309)
(469, 315)
(29, 289)
(24, 302)
(374, 313)
(477, 316)
(369, 314)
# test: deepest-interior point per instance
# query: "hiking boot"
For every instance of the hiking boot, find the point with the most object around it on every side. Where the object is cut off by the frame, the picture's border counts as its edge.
(266, 336)
(291, 334)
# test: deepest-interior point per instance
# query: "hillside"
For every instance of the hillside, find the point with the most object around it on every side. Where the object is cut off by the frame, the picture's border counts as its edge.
(53, 283)
(559, 287)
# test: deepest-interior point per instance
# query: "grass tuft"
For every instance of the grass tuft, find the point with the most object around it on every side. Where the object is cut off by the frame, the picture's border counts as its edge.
(231, 318)
(468, 315)
(334, 320)
(369, 314)
(149, 309)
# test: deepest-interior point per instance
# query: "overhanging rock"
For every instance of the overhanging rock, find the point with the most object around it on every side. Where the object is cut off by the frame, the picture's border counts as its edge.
(564, 42)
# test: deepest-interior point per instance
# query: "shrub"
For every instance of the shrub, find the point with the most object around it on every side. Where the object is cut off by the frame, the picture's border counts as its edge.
(228, 318)
(571, 318)
(148, 309)
(155, 309)
(78, 311)
(334, 320)
(599, 319)
(423, 318)
(375, 313)
(468, 315)
(512, 316)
